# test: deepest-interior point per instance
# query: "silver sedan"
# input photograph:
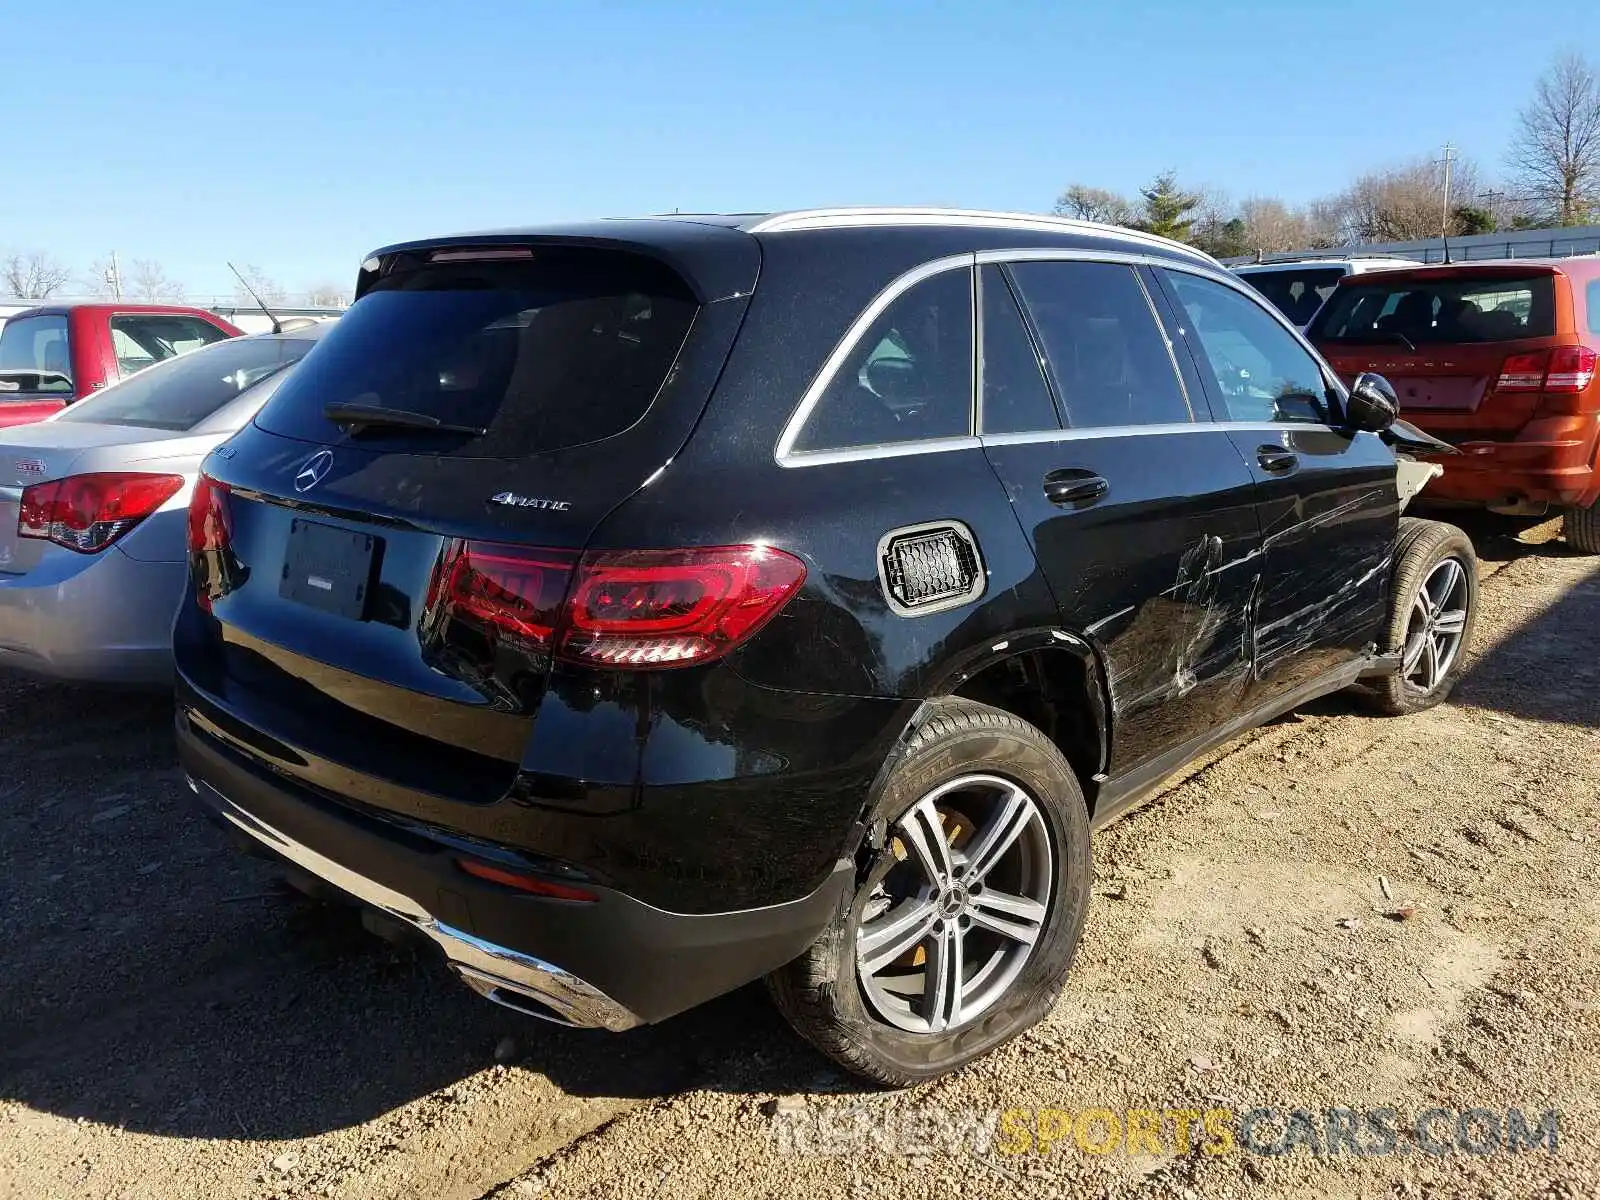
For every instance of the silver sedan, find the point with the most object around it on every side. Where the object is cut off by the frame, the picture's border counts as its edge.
(94, 504)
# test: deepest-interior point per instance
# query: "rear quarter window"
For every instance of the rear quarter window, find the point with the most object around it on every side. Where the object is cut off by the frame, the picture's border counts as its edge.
(566, 348)
(1591, 302)
(1422, 311)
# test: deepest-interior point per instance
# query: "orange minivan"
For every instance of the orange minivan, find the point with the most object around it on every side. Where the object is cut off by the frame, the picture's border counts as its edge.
(1497, 359)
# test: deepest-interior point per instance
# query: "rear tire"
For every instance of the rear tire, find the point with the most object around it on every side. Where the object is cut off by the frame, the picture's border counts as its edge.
(1582, 527)
(1433, 608)
(1011, 817)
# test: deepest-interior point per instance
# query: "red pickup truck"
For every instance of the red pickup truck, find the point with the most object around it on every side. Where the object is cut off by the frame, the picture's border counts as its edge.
(57, 353)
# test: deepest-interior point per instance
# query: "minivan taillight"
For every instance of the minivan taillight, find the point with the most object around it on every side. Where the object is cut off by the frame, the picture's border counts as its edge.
(87, 513)
(1522, 373)
(1571, 369)
(617, 608)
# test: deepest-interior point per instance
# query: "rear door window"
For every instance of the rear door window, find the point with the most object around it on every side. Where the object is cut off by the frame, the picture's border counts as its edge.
(140, 340)
(38, 345)
(1108, 357)
(566, 348)
(908, 378)
(1016, 398)
(1296, 292)
(1419, 311)
(178, 395)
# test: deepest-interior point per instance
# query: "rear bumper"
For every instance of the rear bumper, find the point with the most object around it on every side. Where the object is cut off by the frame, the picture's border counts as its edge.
(610, 964)
(1550, 461)
(105, 618)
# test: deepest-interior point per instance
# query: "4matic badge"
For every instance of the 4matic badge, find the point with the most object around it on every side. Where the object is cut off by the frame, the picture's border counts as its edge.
(512, 500)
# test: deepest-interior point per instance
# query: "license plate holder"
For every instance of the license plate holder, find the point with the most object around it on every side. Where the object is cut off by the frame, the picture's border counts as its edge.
(328, 568)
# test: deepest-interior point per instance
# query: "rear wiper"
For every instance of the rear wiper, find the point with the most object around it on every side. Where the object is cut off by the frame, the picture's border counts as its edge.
(356, 417)
(1396, 337)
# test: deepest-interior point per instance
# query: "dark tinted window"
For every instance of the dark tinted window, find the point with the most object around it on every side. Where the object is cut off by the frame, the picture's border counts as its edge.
(1297, 291)
(1108, 357)
(182, 393)
(1015, 396)
(143, 339)
(565, 348)
(1424, 311)
(910, 376)
(1262, 371)
(38, 344)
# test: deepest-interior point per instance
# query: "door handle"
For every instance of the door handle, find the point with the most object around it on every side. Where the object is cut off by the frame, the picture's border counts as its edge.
(1074, 487)
(1276, 458)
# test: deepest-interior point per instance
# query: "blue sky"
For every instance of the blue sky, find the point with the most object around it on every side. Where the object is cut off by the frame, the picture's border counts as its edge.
(298, 136)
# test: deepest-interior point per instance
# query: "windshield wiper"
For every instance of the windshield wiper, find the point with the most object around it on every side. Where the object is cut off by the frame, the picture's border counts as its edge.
(357, 417)
(1395, 337)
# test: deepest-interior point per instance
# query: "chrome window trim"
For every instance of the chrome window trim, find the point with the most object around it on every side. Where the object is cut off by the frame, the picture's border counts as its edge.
(784, 453)
(1121, 431)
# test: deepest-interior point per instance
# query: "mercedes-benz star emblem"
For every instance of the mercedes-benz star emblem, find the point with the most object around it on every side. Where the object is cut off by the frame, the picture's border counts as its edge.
(315, 471)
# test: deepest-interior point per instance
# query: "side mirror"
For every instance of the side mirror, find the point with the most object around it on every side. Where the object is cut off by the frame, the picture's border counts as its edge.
(1373, 405)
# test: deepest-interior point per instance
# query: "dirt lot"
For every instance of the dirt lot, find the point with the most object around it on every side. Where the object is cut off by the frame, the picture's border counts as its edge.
(171, 1027)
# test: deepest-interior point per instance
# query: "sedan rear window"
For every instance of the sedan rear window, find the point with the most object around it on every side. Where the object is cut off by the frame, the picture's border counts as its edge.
(181, 392)
(568, 347)
(1419, 311)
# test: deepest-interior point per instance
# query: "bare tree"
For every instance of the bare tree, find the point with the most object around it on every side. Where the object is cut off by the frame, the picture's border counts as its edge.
(1272, 227)
(1555, 156)
(148, 281)
(1404, 203)
(328, 295)
(269, 289)
(35, 275)
(1095, 204)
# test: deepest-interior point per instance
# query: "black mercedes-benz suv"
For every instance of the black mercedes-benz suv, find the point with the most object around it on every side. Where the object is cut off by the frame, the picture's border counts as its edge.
(641, 608)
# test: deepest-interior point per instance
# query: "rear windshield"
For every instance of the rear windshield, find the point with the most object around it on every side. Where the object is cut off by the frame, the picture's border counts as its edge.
(182, 392)
(1297, 292)
(1433, 311)
(38, 345)
(565, 348)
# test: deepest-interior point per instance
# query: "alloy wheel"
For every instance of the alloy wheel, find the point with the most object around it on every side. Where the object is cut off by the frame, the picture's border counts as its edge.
(1438, 621)
(957, 903)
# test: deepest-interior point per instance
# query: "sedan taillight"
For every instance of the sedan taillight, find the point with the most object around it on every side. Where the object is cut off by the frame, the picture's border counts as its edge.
(87, 513)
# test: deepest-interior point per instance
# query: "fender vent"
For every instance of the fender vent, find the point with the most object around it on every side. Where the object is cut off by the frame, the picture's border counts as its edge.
(929, 568)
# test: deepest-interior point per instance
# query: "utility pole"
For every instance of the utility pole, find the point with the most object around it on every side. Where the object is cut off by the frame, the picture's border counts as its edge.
(114, 278)
(1449, 157)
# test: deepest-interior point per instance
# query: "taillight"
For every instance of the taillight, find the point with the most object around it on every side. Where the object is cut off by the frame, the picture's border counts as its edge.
(208, 516)
(627, 608)
(1522, 373)
(650, 608)
(1571, 369)
(87, 513)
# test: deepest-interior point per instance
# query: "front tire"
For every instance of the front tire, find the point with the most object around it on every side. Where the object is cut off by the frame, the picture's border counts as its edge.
(971, 897)
(1432, 610)
(1582, 527)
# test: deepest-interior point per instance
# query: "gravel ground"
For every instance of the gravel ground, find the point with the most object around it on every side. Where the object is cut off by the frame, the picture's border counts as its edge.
(1339, 910)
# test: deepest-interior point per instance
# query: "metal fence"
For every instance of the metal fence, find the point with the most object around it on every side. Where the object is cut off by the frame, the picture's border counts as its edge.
(1516, 243)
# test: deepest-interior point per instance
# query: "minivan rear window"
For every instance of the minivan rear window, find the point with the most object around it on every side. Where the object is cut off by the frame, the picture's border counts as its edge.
(1416, 311)
(1296, 292)
(566, 347)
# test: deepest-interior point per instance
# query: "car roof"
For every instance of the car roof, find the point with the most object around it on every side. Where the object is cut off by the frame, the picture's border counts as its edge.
(717, 253)
(1489, 268)
(64, 307)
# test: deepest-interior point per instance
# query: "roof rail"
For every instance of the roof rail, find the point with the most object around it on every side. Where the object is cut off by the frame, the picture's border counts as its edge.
(1278, 260)
(856, 217)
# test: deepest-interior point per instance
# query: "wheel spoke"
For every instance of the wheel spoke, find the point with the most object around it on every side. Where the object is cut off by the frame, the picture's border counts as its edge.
(1443, 584)
(941, 993)
(1453, 621)
(1014, 814)
(880, 942)
(1430, 669)
(1414, 648)
(923, 832)
(1015, 917)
